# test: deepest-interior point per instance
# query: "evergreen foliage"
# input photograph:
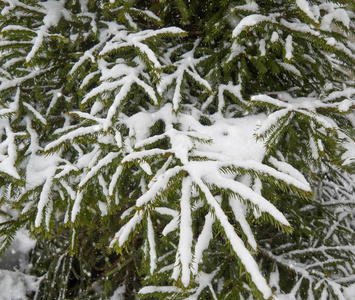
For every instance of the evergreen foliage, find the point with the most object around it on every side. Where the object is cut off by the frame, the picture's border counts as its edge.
(126, 147)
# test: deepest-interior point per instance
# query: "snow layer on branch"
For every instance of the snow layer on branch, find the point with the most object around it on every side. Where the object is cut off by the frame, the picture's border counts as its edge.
(160, 184)
(43, 201)
(232, 138)
(14, 3)
(114, 180)
(231, 143)
(305, 7)
(202, 242)
(288, 169)
(39, 168)
(250, 21)
(123, 234)
(159, 289)
(299, 27)
(239, 214)
(185, 66)
(236, 50)
(17, 81)
(251, 6)
(119, 80)
(76, 206)
(235, 90)
(186, 235)
(204, 280)
(209, 172)
(262, 48)
(349, 155)
(289, 179)
(303, 106)
(136, 40)
(103, 162)
(8, 150)
(54, 11)
(289, 67)
(35, 112)
(274, 37)
(152, 245)
(171, 226)
(71, 135)
(339, 15)
(289, 47)
(237, 244)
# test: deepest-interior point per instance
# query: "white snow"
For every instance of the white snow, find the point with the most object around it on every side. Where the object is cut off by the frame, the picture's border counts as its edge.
(250, 21)
(35, 112)
(122, 235)
(236, 50)
(345, 105)
(288, 169)
(87, 80)
(152, 246)
(186, 236)
(235, 241)
(40, 168)
(171, 226)
(161, 182)
(101, 163)
(186, 65)
(339, 15)
(204, 156)
(248, 194)
(262, 48)
(71, 135)
(289, 179)
(8, 153)
(303, 105)
(159, 289)
(54, 11)
(251, 6)
(232, 138)
(16, 285)
(136, 40)
(167, 211)
(119, 293)
(305, 7)
(17, 81)
(239, 213)
(350, 292)
(204, 280)
(43, 201)
(274, 278)
(289, 67)
(289, 47)
(114, 180)
(14, 3)
(299, 27)
(202, 242)
(76, 206)
(274, 37)
(229, 142)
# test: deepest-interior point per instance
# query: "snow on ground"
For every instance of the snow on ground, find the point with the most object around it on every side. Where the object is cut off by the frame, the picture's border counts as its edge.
(17, 285)
(17, 255)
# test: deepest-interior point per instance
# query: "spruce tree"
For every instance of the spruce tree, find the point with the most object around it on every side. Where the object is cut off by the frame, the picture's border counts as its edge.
(175, 149)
